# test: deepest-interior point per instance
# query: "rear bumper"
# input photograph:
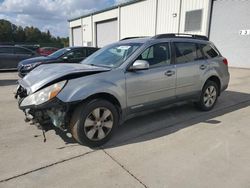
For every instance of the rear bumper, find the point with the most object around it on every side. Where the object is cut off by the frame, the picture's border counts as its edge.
(225, 82)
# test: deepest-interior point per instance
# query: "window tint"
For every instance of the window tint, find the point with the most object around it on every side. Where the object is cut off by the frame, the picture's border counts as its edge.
(6, 50)
(21, 51)
(187, 52)
(157, 55)
(77, 53)
(208, 51)
(92, 50)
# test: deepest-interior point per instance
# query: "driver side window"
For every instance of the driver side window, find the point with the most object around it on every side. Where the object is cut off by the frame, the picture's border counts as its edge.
(157, 55)
(75, 54)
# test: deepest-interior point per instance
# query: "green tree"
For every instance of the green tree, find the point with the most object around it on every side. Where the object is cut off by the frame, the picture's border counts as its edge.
(6, 31)
(11, 33)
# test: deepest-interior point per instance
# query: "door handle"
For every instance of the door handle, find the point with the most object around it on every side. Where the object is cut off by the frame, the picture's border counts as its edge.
(202, 67)
(169, 73)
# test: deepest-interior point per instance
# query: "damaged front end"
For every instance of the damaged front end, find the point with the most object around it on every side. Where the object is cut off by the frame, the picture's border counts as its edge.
(43, 108)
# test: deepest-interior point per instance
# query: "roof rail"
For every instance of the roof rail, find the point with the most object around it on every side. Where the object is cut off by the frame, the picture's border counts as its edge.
(180, 35)
(127, 38)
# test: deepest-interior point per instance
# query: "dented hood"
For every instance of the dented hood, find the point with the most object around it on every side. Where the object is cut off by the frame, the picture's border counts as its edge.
(46, 74)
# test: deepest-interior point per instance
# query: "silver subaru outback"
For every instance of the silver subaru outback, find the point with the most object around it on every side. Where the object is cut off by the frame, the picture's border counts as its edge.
(123, 79)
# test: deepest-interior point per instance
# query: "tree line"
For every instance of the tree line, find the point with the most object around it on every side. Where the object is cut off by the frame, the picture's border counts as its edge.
(13, 34)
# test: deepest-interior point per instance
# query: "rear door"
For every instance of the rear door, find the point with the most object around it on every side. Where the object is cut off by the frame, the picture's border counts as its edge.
(190, 66)
(7, 58)
(155, 85)
(22, 53)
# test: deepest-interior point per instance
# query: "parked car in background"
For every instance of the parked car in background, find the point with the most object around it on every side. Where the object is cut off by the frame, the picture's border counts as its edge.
(34, 47)
(10, 56)
(45, 51)
(123, 79)
(64, 55)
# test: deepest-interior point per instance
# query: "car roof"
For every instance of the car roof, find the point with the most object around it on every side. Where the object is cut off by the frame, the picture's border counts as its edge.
(10, 46)
(166, 37)
(74, 47)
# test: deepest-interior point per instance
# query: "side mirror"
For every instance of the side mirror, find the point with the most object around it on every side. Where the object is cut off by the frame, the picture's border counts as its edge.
(139, 65)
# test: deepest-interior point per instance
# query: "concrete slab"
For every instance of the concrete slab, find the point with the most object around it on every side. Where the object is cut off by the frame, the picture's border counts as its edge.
(177, 147)
(21, 145)
(92, 170)
(209, 154)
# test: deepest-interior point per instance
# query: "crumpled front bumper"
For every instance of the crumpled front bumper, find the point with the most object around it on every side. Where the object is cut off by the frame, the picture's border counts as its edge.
(53, 112)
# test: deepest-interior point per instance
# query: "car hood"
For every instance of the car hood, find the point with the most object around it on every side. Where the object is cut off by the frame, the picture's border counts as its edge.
(35, 60)
(46, 74)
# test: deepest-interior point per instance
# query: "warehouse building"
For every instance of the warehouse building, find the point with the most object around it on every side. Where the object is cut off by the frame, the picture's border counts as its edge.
(225, 22)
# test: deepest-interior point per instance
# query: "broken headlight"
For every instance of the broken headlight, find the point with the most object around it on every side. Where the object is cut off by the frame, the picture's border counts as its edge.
(43, 95)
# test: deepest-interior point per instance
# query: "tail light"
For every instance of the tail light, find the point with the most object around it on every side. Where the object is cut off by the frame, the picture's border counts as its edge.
(225, 61)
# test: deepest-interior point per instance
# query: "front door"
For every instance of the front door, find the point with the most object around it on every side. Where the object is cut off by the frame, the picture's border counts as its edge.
(155, 85)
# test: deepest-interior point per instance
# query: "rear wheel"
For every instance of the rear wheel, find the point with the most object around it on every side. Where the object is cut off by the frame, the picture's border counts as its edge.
(208, 96)
(94, 122)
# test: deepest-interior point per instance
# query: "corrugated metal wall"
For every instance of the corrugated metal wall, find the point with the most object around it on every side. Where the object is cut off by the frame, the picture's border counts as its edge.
(146, 18)
(189, 5)
(229, 18)
(168, 16)
(138, 19)
(87, 31)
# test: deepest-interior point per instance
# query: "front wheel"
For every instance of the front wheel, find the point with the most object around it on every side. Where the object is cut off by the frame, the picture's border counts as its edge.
(209, 96)
(94, 122)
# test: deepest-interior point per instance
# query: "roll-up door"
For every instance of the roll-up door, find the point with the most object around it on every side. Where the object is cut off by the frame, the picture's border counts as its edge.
(77, 36)
(106, 32)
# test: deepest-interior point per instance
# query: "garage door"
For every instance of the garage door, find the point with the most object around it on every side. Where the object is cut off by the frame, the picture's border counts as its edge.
(106, 32)
(230, 30)
(77, 36)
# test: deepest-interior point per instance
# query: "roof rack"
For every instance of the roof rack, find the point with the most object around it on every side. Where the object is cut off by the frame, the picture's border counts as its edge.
(127, 38)
(180, 35)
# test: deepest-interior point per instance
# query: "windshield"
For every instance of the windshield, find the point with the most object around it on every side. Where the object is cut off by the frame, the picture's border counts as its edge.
(59, 53)
(112, 56)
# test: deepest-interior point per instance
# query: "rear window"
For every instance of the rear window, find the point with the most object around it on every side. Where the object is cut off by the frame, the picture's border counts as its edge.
(21, 51)
(187, 52)
(209, 51)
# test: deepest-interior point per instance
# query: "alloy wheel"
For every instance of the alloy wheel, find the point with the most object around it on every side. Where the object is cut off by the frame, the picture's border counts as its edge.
(210, 96)
(98, 124)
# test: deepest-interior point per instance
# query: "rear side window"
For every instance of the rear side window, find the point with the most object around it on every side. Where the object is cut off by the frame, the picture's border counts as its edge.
(92, 50)
(22, 51)
(6, 50)
(208, 51)
(187, 52)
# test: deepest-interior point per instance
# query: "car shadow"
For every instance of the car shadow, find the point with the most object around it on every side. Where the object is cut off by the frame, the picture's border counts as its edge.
(170, 120)
(8, 82)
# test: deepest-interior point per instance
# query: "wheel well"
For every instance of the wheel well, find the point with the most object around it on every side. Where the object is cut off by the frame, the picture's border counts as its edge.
(216, 80)
(107, 97)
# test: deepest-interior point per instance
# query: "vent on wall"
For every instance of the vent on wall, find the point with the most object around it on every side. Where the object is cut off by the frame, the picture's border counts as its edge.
(193, 20)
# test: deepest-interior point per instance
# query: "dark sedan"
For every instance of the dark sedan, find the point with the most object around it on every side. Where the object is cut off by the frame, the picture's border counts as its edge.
(64, 55)
(10, 56)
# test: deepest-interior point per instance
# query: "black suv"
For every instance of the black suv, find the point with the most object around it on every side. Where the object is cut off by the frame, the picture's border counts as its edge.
(11, 55)
(64, 55)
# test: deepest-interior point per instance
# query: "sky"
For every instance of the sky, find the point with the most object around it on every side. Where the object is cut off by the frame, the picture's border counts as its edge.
(50, 14)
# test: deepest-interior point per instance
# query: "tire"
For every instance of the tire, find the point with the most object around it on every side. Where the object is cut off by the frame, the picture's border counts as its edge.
(94, 122)
(209, 96)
